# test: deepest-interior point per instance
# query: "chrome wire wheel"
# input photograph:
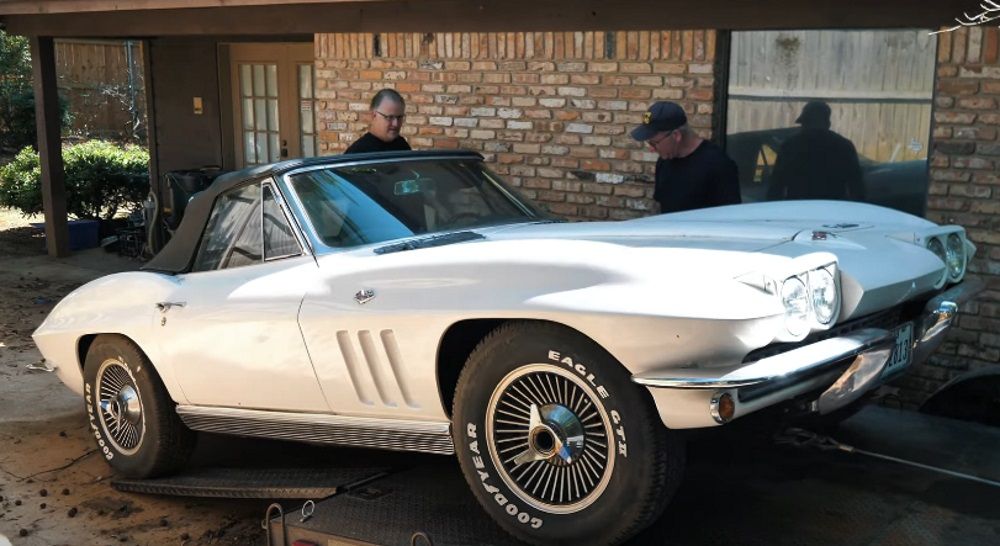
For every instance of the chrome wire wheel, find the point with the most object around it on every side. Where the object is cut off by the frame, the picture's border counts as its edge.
(120, 406)
(551, 438)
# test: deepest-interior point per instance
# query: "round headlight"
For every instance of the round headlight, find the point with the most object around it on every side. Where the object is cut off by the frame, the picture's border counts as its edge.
(955, 256)
(795, 298)
(823, 289)
(934, 245)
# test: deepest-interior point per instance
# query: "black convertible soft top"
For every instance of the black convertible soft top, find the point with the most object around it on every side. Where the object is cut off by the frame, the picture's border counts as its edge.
(178, 254)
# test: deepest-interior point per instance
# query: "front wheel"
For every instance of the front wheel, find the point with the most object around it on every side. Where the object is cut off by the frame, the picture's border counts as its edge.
(557, 443)
(131, 415)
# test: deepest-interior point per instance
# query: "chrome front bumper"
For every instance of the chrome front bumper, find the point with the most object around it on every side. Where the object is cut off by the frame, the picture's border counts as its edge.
(756, 385)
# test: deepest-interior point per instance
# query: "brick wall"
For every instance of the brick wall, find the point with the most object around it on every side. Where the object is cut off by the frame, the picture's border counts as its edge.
(550, 111)
(965, 189)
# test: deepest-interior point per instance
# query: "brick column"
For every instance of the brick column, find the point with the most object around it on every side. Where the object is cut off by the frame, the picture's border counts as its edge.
(965, 189)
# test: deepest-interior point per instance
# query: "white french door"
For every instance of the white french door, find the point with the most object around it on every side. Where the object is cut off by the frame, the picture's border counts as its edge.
(273, 102)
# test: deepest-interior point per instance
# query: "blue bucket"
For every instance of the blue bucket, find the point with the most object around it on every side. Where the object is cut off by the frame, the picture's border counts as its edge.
(83, 234)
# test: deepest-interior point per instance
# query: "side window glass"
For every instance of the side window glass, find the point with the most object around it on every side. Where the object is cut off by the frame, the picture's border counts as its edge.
(249, 246)
(279, 241)
(232, 213)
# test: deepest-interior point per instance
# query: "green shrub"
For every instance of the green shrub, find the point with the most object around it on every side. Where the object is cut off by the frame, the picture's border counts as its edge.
(101, 179)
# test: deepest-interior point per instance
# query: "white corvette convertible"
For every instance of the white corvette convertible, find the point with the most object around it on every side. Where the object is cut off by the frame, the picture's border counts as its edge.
(412, 301)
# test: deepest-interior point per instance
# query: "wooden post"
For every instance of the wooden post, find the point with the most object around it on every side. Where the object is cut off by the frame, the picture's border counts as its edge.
(43, 65)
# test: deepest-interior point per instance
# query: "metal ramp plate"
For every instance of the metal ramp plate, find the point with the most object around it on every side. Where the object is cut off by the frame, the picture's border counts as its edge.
(433, 501)
(253, 483)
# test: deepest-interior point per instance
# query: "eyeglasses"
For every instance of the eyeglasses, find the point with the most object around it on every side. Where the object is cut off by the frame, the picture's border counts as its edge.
(654, 143)
(391, 119)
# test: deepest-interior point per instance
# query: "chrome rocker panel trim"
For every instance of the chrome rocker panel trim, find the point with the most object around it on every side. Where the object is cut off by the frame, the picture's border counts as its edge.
(391, 434)
(867, 351)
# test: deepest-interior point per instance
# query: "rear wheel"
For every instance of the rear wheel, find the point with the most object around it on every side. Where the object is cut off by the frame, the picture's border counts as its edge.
(131, 415)
(557, 443)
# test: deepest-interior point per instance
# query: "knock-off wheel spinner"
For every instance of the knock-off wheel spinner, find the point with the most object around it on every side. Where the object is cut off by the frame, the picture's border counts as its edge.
(120, 412)
(551, 439)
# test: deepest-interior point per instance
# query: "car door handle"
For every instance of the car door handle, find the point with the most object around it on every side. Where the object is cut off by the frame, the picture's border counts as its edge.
(165, 306)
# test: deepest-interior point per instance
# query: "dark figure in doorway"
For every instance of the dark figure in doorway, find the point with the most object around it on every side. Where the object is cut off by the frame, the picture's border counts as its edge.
(816, 163)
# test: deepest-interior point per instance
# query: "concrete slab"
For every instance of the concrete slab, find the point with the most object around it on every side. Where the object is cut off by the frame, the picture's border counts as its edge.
(29, 287)
(739, 489)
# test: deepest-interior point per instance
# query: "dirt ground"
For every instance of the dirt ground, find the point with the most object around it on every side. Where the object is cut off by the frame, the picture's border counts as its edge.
(53, 489)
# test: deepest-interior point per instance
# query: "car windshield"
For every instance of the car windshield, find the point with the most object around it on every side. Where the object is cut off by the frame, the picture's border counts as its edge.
(375, 202)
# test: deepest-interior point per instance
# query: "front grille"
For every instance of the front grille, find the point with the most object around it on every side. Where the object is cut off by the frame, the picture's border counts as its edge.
(886, 320)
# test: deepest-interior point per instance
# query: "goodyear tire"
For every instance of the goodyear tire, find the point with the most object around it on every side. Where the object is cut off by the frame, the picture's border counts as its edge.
(130, 413)
(556, 442)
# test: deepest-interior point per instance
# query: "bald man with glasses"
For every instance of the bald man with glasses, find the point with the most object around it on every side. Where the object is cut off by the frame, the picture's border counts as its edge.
(388, 110)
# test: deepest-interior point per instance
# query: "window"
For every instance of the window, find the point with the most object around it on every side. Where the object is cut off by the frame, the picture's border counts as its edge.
(359, 204)
(279, 241)
(832, 115)
(230, 215)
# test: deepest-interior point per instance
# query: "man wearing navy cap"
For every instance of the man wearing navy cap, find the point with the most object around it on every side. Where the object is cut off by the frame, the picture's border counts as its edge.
(691, 173)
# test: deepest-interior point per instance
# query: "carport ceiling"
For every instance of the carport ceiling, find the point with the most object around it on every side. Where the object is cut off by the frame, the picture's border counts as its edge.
(145, 18)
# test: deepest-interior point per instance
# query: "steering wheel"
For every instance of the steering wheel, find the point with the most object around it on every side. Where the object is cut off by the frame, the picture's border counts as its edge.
(461, 218)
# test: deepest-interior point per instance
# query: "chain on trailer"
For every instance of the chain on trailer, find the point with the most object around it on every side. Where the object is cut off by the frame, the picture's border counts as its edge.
(798, 437)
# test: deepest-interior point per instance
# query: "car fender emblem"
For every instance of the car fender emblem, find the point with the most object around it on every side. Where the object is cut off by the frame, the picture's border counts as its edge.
(364, 296)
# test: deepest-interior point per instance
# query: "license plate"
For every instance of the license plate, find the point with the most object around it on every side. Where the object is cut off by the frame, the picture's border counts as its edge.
(902, 352)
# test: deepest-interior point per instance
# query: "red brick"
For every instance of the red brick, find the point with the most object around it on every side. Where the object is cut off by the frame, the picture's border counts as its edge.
(978, 103)
(958, 87)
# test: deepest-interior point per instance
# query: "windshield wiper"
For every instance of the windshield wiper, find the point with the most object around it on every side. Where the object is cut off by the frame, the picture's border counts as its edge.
(427, 242)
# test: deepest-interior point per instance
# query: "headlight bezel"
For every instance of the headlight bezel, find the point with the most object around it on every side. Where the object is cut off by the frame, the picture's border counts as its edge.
(955, 261)
(950, 245)
(775, 283)
(814, 279)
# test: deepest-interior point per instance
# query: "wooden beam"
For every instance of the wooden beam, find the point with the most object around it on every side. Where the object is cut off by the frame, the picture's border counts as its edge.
(493, 16)
(47, 120)
(154, 233)
(82, 6)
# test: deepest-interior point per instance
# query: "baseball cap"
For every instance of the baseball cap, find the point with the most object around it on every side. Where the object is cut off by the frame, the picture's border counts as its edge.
(661, 116)
(814, 112)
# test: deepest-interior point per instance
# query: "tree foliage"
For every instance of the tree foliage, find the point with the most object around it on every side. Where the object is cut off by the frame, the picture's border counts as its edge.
(17, 98)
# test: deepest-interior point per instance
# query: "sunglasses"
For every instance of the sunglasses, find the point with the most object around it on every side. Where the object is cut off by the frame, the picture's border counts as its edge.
(391, 119)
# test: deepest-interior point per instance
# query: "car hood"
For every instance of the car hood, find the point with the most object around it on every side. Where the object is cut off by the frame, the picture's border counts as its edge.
(687, 254)
(635, 233)
(750, 227)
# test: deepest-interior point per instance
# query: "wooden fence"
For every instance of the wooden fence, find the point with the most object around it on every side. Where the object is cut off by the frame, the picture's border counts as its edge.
(878, 83)
(103, 82)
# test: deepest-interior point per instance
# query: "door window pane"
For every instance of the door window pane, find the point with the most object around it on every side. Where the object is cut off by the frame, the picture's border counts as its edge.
(249, 148)
(832, 115)
(308, 145)
(247, 114)
(273, 148)
(272, 80)
(260, 114)
(246, 81)
(307, 111)
(258, 80)
(272, 114)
